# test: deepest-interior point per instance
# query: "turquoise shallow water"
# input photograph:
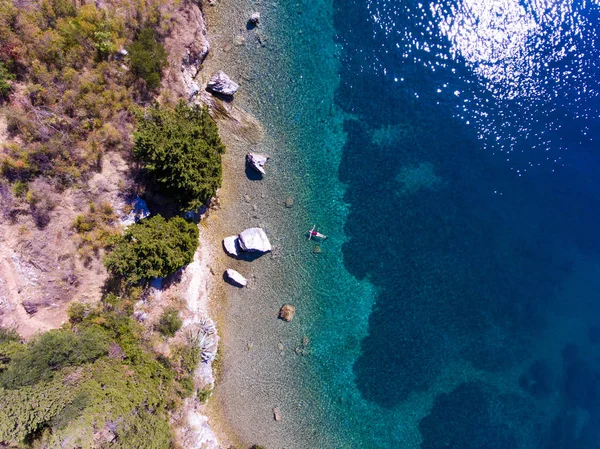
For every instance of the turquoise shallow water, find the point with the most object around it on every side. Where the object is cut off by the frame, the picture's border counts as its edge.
(449, 150)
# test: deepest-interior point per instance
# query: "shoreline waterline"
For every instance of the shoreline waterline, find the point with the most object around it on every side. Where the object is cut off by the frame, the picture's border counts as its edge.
(265, 364)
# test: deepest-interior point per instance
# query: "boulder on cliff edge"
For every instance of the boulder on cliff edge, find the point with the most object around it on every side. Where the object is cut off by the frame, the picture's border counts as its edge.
(220, 83)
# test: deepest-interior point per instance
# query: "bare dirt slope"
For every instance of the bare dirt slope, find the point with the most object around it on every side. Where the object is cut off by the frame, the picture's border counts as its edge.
(41, 270)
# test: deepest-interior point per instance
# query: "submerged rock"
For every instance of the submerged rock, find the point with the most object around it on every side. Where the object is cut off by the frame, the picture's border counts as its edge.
(254, 239)
(236, 278)
(231, 245)
(257, 161)
(276, 414)
(220, 83)
(287, 312)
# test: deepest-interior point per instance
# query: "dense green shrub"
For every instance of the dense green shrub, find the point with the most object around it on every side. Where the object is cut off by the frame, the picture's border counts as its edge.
(80, 397)
(204, 394)
(187, 357)
(67, 411)
(181, 150)
(153, 248)
(148, 58)
(52, 351)
(6, 79)
(169, 322)
(9, 347)
(24, 412)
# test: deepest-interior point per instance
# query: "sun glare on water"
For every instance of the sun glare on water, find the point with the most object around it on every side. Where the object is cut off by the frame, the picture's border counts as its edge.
(536, 67)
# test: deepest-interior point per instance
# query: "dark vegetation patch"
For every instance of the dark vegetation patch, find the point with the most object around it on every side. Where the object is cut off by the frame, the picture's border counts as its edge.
(148, 58)
(180, 150)
(96, 380)
(153, 248)
(169, 322)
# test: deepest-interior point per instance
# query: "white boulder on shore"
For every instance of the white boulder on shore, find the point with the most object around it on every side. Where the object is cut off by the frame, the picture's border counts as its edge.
(254, 239)
(257, 161)
(236, 278)
(220, 83)
(231, 245)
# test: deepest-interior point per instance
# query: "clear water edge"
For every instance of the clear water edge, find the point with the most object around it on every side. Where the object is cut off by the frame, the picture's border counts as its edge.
(322, 406)
(291, 173)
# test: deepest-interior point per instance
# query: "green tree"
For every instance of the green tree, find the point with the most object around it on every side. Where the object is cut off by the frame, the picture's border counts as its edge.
(51, 352)
(148, 58)
(181, 149)
(6, 79)
(169, 322)
(153, 248)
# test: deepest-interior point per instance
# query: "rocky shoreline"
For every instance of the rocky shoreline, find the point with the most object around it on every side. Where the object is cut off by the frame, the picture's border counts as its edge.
(189, 47)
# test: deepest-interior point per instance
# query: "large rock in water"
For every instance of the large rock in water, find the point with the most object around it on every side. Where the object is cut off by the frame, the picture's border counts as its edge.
(220, 83)
(257, 161)
(231, 245)
(254, 239)
(236, 278)
(287, 312)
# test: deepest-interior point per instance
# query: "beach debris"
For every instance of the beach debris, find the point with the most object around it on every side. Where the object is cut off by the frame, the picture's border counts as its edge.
(215, 203)
(276, 414)
(289, 202)
(204, 337)
(254, 239)
(257, 161)
(235, 278)
(231, 245)
(254, 18)
(287, 312)
(220, 83)
(138, 210)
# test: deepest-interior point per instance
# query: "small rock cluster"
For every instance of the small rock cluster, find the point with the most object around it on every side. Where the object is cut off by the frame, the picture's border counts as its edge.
(252, 240)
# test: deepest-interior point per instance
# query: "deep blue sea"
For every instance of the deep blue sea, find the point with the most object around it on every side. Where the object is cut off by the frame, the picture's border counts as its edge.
(456, 303)
(471, 165)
